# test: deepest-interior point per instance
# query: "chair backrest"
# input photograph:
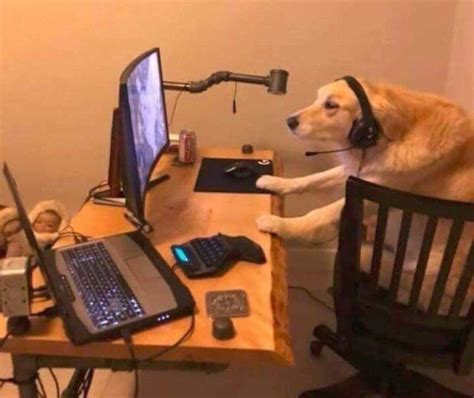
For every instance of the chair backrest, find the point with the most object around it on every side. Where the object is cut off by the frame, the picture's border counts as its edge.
(361, 300)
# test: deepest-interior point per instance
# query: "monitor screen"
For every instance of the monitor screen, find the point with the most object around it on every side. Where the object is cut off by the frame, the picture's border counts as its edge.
(144, 125)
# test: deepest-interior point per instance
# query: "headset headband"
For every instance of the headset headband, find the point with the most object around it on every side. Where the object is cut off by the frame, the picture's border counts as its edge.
(366, 108)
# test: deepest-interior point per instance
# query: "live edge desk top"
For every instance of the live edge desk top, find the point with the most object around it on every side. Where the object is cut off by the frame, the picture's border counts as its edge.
(177, 214)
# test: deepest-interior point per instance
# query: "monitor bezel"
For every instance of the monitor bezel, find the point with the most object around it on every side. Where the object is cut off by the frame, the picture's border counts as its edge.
(130, 177)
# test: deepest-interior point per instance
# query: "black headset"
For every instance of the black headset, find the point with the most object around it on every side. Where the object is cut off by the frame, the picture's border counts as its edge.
(364, 132)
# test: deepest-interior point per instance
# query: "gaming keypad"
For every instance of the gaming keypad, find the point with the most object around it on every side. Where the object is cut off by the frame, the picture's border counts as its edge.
(201, 257)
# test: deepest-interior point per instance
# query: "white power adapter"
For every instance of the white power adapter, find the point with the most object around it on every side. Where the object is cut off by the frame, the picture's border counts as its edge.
(14, 283)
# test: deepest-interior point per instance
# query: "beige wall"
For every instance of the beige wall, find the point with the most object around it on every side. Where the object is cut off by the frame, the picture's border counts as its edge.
(459, 83)
(61, 61)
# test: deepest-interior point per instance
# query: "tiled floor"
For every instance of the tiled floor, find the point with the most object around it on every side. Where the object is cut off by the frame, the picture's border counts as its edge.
(306, 268)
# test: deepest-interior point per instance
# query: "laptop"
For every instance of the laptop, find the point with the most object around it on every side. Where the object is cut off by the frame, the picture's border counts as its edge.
(119, 282)
(106, 285)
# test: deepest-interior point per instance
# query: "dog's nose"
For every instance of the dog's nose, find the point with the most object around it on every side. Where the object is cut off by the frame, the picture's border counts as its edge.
(292, 122)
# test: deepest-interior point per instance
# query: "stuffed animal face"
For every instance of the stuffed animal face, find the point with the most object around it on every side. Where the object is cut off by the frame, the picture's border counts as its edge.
(47, 221)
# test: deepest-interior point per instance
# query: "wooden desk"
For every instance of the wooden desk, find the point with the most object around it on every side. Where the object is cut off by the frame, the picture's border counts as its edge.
(177, 214)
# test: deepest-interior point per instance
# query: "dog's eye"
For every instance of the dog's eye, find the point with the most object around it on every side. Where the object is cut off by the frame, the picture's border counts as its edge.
(328, 104)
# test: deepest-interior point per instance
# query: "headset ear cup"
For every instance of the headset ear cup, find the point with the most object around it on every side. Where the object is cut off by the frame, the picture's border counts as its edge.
(356, 135)
(361, 136)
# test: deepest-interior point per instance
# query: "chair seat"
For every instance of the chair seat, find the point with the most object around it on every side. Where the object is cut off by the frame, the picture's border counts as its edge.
(403, 330)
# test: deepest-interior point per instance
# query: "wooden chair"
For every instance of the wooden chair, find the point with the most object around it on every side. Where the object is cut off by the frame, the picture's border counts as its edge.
(376, 333)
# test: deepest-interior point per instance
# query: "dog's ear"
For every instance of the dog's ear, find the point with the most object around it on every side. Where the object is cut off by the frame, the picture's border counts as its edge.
(392, 120)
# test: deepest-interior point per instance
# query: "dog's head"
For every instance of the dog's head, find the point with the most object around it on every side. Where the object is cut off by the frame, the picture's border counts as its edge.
(330, 117)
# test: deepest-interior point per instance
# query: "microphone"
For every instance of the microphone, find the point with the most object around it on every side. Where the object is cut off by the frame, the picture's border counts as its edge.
(332, 151)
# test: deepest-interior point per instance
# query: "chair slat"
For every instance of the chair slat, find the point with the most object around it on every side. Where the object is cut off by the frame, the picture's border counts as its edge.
(428, 236)
(463, 285)
(446, 264)
(382, 217)
(400, 254)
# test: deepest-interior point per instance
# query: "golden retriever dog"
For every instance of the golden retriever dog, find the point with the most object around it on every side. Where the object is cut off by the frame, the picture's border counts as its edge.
(426, 146)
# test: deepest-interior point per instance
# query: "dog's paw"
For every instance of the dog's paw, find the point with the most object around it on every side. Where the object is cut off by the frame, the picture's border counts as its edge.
(269, 223)
(274, 184)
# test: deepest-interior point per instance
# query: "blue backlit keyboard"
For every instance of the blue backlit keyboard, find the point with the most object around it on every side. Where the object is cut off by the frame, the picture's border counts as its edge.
(108, 299)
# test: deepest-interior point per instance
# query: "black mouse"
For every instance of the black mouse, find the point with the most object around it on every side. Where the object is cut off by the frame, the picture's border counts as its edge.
(240, 170)
(223, 328)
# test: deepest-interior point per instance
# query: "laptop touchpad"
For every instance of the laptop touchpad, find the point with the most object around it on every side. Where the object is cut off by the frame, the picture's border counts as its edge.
(158, 294)
(142, 268)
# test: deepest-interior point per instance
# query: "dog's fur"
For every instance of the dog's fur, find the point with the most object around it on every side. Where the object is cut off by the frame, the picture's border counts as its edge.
(427, 147)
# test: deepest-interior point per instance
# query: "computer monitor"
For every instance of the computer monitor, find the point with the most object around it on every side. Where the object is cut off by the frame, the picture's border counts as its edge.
(144, 126)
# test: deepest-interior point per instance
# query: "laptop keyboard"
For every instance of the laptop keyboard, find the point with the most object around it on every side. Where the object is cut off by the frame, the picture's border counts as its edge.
(107, 297)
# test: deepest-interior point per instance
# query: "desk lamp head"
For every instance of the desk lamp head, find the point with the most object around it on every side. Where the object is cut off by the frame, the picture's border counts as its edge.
(277, 81)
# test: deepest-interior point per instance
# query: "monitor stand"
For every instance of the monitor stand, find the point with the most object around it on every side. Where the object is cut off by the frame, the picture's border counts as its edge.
(114, 177)
(114, 195)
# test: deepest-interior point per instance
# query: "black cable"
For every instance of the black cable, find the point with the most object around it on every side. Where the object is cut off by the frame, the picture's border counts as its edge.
(85, 385)
(174, 108)
(88, 382)
(128, 341)
(56, 383)
(109, 203)
(69, 226)
(234, 101)
(47, 312)
(41, 394)
(315, 153)
(4, 339)
(40, 292)
(311, 295)
(173, 268)
(40, 295)
(183, 338)
(93, 190)
(7, 380)
(40, 288)
(65, 233)
(78, 237)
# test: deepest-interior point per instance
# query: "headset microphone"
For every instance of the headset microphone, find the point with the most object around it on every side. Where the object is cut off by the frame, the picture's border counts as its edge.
(332, 151)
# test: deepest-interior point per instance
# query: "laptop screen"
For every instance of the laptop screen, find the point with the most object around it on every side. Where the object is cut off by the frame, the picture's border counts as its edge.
(24, 220)
(144, 125)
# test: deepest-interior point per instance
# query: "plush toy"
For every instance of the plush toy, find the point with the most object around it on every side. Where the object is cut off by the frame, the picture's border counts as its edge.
(48, 218)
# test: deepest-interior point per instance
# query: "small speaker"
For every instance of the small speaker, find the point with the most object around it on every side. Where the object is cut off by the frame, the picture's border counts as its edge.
(14, 287)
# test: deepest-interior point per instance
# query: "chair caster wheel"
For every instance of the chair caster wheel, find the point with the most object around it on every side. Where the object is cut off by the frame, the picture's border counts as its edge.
(316, 347)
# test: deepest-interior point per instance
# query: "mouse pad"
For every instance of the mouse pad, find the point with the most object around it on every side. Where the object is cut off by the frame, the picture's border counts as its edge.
(212, 178)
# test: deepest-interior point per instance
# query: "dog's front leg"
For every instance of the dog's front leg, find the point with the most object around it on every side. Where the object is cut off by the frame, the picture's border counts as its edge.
(317, 226)
(325, 180)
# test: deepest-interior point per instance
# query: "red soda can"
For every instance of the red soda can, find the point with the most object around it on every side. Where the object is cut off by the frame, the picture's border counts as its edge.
(187, 146)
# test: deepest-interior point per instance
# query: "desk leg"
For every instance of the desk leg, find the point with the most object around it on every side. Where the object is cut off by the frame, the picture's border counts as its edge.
(24, 371)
